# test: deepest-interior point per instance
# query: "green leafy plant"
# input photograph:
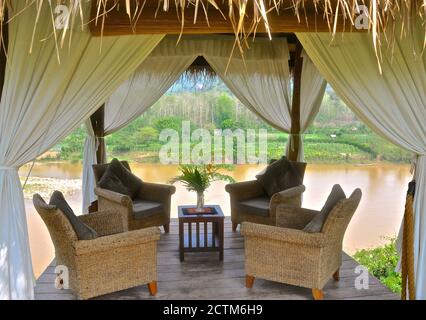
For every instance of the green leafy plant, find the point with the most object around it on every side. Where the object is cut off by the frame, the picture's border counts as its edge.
(199, 178)
(381, 262)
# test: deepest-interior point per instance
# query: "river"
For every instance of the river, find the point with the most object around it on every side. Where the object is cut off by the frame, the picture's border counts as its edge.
(378, 217)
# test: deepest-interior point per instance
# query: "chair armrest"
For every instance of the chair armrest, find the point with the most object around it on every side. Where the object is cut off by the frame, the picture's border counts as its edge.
(291, 197)
(113, 196)
(245, 190)
(156, 192)
(117, 241)
(291, 193)
(104, 222)
(293, 236)
(293, 218)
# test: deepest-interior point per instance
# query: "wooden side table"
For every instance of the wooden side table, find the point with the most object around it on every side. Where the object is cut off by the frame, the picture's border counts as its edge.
(204, 241)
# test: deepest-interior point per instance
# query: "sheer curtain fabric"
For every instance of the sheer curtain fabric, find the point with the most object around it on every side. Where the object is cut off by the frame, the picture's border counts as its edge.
(42, 102)
(392, 103)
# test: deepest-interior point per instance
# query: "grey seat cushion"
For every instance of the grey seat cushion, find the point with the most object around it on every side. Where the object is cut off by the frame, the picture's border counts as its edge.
(119, 179)
(316, 224)
(83, 231)
(144, 208)
(255, 206)
(281, 175)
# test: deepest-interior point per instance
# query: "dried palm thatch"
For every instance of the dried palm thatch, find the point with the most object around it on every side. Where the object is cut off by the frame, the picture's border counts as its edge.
(200, 69)
(246, 15)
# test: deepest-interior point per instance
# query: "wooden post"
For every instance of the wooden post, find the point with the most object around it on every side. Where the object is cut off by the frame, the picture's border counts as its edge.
(3, 49)
(295, 107)
(98, 124)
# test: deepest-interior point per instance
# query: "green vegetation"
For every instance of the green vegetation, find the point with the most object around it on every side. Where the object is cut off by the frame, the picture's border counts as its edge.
(71, 148)
(381, 262)
(335, 136)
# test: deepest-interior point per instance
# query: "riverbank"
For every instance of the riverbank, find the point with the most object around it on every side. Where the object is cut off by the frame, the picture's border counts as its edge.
(46, 186)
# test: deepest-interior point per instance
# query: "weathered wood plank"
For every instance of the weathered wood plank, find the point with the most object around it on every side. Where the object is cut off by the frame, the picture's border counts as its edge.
(54, 296)
(203, 276)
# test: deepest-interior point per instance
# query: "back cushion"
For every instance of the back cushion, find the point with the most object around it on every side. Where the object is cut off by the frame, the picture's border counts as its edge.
(111, 181)
(119, 179)
(281, 175)
(316, 224)
(83, 231)
(99, 169)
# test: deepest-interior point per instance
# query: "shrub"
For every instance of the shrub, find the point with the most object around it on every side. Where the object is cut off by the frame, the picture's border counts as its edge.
(231, 124)
(381, 262)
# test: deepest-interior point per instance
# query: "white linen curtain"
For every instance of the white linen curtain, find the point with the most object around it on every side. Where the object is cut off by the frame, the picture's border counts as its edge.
(42, 102)
(261, 81)
(312, 91)
(159, 71)
(91, 145)
(392, 103)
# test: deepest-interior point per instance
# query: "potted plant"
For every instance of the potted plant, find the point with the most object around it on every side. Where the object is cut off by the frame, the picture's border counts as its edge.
(198, 178)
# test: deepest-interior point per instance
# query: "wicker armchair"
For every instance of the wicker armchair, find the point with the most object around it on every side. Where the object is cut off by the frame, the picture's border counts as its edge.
(114, 261)
(151, 208)
(284, 253)
(249, 201)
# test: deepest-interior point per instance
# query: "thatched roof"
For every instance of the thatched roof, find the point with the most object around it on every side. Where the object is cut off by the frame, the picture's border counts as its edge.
(248, 16)
(200, 68)
(382, 12)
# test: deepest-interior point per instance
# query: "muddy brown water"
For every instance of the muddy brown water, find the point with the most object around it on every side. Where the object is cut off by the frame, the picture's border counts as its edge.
(378, 217)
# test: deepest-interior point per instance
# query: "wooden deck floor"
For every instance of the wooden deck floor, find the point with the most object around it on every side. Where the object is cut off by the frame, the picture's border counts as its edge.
(202, 276)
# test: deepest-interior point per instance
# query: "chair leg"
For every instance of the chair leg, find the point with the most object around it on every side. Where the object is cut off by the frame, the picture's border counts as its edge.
(166, 228)
(152, 287)
(234, 226)
(249, 281)
(336, 275)
(318, 294)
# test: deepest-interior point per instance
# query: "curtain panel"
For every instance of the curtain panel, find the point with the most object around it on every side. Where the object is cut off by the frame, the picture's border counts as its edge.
(160, 70)
(261, 81)
(393, 103)
(43, 100)
(91, 145)
(154, 76)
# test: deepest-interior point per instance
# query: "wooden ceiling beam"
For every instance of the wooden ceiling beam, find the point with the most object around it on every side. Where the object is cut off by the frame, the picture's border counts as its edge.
(156, 21)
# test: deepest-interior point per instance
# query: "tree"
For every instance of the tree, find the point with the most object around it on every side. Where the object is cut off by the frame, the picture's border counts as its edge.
(146, 135)
(173, 123)
(72, 146)
(231, 124)
(224, 109)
